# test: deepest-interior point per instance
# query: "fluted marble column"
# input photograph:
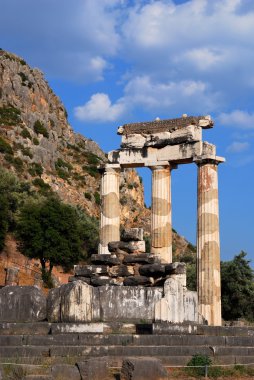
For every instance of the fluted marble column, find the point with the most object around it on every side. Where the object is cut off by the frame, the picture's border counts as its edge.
(208, 243)
(110, 209)
(161, 223)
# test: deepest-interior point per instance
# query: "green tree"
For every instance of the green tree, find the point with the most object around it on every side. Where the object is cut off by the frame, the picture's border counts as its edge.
(90, 232)
(237, 282)
(50, 231)
(9, 186)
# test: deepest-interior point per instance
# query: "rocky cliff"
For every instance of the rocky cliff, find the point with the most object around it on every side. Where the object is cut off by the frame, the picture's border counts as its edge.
(39, 146)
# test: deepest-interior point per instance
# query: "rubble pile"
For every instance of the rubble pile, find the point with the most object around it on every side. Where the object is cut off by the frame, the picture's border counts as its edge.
(127, 264)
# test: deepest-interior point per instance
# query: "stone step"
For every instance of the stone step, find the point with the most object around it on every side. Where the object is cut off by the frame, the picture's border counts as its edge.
(95, 351)
(45, 328)
(123, 340)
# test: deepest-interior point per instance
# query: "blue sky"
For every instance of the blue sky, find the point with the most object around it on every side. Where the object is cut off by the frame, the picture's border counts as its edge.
(118, 61)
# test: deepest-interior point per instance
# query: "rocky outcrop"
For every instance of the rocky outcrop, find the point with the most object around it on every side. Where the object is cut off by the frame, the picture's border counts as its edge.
(37, 141)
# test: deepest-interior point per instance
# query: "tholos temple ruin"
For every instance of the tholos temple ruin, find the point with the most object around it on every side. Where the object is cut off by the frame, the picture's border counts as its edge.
(162, 145)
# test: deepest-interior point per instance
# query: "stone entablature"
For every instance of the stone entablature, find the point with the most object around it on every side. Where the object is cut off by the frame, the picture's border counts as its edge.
(167, 125)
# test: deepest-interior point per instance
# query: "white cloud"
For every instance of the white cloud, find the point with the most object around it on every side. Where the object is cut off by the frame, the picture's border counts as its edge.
(237, 119)
(66, 41)
(152, 96)
(238, 147)
(99, 108)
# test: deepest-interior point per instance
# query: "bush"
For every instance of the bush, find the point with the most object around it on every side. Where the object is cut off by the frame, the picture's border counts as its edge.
(9, 116)
(5, 146)
(36, 141)
(26, 134)
(63, 164)
(91, 170)
(198, 360)
(91, 158)
(35, 169)
(40, 129)
(15, 161)
(27, 152)
(97, 198)
(38, 182)
(88, 196)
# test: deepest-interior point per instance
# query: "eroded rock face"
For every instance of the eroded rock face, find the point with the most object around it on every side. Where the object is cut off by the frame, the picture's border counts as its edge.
(22, 304)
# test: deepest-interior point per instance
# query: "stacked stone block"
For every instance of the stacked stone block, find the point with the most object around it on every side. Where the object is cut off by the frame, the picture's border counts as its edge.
(127, 264)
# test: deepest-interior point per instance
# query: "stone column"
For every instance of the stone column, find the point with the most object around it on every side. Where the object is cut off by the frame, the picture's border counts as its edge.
(208, 243)
(12, 276)
(110, 208)
(161, 224)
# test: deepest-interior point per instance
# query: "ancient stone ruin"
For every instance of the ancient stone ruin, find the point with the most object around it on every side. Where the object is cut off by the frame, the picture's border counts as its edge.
(162, 145)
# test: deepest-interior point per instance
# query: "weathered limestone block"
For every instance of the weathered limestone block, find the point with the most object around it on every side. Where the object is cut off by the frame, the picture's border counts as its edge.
(184, 135)
(22, 304)
(129, 247)
(175, 268)
(143, 258)
(73, 302)
(178, 304)
(133, 141)
(128, 303)
(89, 270)
(87, 280)
(133, 234)
(137, 280)
(144, 156)
(100, 280)
(65, 372)
(94, 369)
(152, 270)
(121, 271)
(104, 259)
(143, 369)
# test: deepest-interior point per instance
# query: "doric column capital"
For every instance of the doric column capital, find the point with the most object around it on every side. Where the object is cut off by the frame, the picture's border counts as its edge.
(110, 168)
(167, 165)
(209, 159)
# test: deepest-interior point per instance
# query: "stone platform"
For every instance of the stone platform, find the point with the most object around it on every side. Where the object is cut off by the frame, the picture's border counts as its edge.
(52, 343)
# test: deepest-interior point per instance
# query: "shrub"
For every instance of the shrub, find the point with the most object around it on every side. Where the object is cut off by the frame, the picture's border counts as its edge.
(36, 141)
(15, 161)
(35, 169)
(40, 129)
(5, 146)
(63, 164)
(88, 196)
(91, 170)
(201, 361)
(91, 158)
(97, 198)
(26, 134)
(27, 152)
(9, 116)
(123, 200)
(62, 173)
(38, 182)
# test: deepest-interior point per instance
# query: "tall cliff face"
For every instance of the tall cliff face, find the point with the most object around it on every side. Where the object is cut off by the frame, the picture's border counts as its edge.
(36, 140)
(39, 145)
